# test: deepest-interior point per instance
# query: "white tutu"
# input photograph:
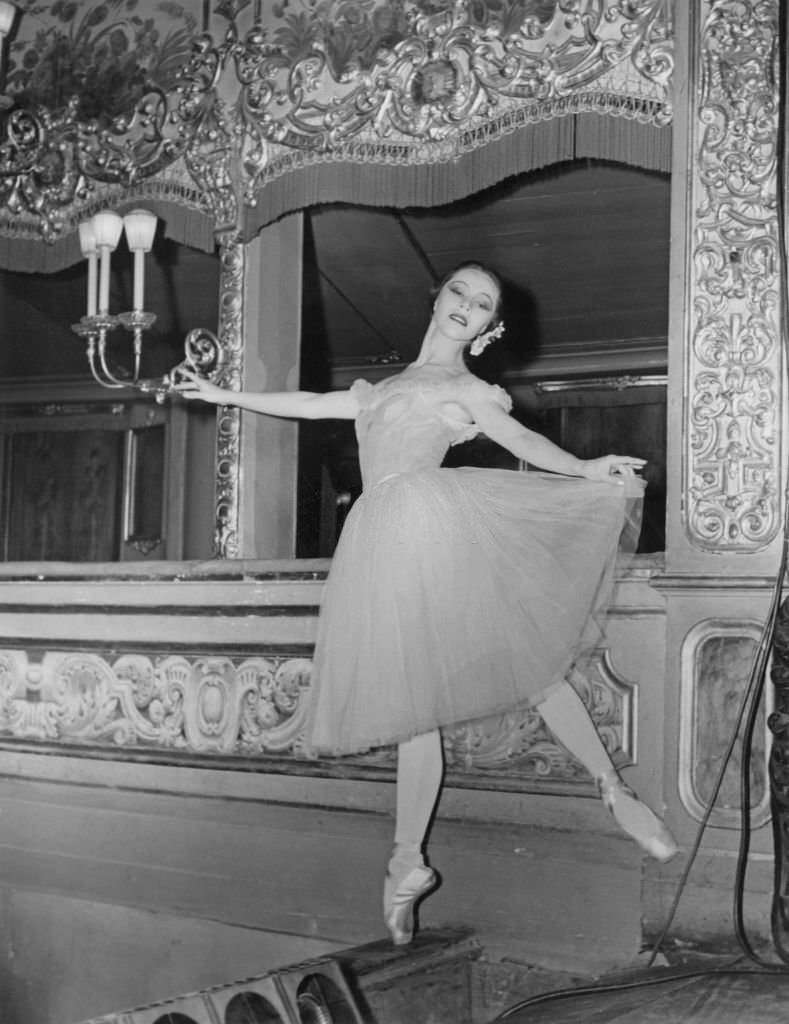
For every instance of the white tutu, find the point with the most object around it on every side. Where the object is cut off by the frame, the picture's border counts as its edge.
(454, 593)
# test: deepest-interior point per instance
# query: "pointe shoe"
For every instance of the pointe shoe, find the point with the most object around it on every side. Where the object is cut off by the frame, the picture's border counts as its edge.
(636, 819)
(399, 906)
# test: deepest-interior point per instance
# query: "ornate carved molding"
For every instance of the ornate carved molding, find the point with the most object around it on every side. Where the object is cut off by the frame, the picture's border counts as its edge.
(208, 706)
(204, 705)
(716, 656)
(732, 459)
(417, 82)
(228, 423)
(520, 743)
(444, 79)
(119, 122)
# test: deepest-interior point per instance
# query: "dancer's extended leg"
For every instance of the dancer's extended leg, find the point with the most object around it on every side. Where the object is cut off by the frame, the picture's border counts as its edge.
(566, 716)
(420, 768)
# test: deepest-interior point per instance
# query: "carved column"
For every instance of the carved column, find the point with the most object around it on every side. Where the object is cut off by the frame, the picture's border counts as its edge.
(228, 421)
(727, 408)
(732, 387)
(272, 347)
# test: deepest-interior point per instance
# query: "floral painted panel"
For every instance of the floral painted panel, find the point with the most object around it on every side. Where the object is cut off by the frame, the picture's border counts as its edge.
(130, 94)
(106, 55)
(353, 33)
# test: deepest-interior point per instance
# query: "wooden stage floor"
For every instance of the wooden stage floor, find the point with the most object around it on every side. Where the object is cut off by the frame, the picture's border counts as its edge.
(741, 995)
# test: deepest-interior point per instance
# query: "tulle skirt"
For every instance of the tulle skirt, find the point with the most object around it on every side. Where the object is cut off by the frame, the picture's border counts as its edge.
(459, 593)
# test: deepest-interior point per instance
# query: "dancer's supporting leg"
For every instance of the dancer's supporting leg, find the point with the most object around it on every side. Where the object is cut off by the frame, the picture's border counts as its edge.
(420, 769)
(566, 716)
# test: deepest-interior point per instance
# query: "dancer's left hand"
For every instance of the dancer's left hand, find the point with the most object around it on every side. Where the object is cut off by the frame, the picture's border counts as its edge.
(612, 469)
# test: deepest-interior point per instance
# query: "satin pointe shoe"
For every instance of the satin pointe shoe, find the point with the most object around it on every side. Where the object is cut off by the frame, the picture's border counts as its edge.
(399, 904)
(636, 819)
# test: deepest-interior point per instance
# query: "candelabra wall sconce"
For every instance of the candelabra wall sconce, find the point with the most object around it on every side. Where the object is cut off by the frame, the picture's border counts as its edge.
(99, 238)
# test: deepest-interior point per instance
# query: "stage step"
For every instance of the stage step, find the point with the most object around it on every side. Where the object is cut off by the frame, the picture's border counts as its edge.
(426, 982)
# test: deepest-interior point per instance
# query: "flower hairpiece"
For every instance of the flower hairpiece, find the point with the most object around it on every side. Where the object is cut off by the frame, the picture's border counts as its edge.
(481, 342)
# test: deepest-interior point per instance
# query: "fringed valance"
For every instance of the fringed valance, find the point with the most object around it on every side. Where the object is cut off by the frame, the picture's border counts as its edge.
(579, 136)
(411, 104)
(22, 249)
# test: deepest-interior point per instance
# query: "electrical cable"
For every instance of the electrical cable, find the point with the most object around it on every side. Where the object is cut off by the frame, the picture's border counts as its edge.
(753, 695)
(775, 607)
(752, 698)
(749, 706)
(713, 798)
(748, 710)
(748, 702)
(777, 917)
(602, 988)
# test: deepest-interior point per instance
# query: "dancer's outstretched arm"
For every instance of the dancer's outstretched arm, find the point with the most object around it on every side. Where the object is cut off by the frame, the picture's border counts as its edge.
(303, 405)
(539, 451)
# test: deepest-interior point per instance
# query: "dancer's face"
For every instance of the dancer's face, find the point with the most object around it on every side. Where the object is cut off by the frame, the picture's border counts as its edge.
(466, 304)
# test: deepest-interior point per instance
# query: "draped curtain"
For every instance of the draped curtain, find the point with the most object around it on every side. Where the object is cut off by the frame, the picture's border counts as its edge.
(300, 102)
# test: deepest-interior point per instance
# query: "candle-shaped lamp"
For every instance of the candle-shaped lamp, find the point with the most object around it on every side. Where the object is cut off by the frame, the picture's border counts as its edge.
(7, 14)
(87, 243)
(140, 227)
(107, 228)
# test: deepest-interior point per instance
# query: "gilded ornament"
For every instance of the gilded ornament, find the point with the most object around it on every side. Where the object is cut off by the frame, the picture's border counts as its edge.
(434, 82)
(732, 466)
(212, 123)
(517, 745)
(228, 422)
(212, 706)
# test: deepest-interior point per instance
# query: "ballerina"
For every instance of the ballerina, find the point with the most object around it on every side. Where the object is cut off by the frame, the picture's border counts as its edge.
(457, 593)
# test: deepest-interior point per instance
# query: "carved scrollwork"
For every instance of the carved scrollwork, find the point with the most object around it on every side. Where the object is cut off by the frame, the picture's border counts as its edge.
(273, 717)
(213, 705)
(111, 116)
(211, 131)
(201, 705)
(211, 122)
(228, 423)
(445, 77)
(733, 447)
(520, 743)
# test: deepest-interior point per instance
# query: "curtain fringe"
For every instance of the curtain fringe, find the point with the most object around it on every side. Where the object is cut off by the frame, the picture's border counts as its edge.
(305, 180)
(580, 136)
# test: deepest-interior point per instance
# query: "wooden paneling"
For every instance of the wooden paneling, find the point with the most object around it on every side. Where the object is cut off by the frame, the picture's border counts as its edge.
(374, 290)
(583, 249)
(65, 495)
(90, 481)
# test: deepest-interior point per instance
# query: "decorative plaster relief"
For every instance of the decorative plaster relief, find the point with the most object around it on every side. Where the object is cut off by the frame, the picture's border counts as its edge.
(153, 109)
(204, 705)
(228, 420)
(717, 656)
(519, 740)
(209, 706)
(426, 81)
(96, 100)
(732, 465)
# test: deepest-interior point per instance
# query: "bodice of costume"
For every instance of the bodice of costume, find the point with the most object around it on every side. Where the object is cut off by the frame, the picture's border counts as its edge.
(403, 424)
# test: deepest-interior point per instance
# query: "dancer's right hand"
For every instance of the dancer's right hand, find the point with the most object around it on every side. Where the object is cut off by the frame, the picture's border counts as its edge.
(190, 385)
